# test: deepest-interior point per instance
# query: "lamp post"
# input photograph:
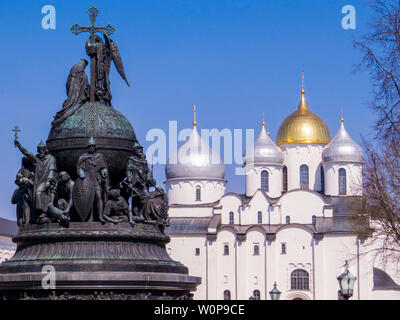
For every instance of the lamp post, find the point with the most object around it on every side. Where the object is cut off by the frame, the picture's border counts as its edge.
(346, 283)
(275, 293)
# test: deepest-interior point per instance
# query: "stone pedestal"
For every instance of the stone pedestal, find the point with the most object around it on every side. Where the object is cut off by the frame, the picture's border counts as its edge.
(94, 261)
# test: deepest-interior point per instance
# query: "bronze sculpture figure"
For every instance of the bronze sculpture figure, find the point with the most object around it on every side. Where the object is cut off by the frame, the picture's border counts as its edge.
(103, 54)
(91, 167)
(117, 209)
(23, 196)
(139, 179)
(73, 221)
(45, 178)
(77, 92)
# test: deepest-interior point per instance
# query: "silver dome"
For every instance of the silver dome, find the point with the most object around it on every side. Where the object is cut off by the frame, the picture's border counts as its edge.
(195, 159)
(265, 151)
(342, 148)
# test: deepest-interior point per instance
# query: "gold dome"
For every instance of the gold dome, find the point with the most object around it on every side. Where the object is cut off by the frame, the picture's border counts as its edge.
(303, 126)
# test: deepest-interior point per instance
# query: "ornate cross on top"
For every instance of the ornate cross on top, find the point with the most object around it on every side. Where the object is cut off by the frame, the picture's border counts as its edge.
(16, 130)
(92, 29)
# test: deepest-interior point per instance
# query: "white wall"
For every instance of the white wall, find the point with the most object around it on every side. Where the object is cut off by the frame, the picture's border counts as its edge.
(182, 249)
(183, 191)
(353, 178)
(296, 155)
(253, 180)
(300, 206)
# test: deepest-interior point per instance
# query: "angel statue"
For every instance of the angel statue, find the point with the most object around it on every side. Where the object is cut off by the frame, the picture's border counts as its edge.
(104, 53)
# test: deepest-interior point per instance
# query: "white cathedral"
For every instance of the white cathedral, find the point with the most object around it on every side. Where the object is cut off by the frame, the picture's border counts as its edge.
(291, 228)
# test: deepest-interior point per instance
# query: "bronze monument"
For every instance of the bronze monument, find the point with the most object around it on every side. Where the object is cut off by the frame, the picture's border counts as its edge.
(87, 203)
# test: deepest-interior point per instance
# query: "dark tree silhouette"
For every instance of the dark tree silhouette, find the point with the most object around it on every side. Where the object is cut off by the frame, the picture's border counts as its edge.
(381, 58)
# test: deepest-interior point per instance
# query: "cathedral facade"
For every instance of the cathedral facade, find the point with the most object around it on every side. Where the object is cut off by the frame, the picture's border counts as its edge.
(293, 227)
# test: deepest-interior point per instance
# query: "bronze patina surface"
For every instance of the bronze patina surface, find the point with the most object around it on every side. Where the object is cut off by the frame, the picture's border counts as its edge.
(87, 203)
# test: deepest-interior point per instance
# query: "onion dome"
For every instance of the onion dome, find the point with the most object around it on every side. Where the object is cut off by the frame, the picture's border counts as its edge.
(195, 159)
(303, 126)
(342, 148)
(264, 150)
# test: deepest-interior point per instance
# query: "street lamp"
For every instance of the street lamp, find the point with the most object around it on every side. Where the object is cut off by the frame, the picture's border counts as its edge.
(346, 282)
(275, 293)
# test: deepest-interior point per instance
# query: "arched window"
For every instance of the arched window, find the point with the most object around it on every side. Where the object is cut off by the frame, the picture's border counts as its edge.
(198, 194)
(256, 295)
(256, 250)
(304, 176)
(227, 295)
(226, 250)
(259, 217)
(299, 280)
(231, 218)
(287, 219)
(265, 180)
(322, 179)
(284, 179)
(342, 181)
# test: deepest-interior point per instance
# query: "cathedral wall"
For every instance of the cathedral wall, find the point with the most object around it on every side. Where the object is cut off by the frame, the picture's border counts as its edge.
(296, 155)
(190, 211)
(253, 180)
(298, 255)
(337, 249)
(258, 203)
(353, 178)
(230, 203)
(183, 248)
(184, 191)
(226, 264)
(254, 265)
(300, 206)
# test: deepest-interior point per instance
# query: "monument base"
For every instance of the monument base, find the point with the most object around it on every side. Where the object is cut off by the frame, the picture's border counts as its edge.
(92, 260)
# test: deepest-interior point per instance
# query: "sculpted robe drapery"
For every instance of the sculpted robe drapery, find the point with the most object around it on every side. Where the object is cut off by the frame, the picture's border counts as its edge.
(45, 170)
(77, 92)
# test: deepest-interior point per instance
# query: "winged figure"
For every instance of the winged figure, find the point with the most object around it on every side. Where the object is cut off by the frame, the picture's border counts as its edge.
(104, 53)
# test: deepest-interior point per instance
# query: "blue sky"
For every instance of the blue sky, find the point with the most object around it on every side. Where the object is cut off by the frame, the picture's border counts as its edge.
(234, 59)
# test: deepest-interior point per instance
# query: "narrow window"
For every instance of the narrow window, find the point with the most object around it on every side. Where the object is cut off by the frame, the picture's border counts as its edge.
(342, 181)
(299, 280)
(284, 179)
(287, 219)
(226, 250)
(198, 194)
(231, 218)
(283, 248)
(197, 253)
(304, 181)
(256, 294)
(256, 250)
(265, 180)
(259, 217)
(227, 295)
(322, 179)
(314, 220)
